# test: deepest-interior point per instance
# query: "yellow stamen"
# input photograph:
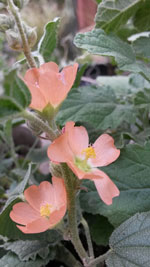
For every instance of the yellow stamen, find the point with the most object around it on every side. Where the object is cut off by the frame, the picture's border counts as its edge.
(45, 210)
(89, 152)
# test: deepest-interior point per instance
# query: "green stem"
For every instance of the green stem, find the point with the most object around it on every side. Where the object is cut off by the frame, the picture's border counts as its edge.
(70, 183)
(88, 237)
(26, 48)
(42, 125)
(99, 259)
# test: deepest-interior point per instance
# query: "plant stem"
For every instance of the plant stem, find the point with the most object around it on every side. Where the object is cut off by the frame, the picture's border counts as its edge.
(99, 259)
(26, 48)
(42, 125)
(70, 183)
(88, 237)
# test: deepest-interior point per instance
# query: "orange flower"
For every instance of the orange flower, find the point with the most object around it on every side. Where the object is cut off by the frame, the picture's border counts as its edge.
(45, 207)
(48, 86)
(73, 148)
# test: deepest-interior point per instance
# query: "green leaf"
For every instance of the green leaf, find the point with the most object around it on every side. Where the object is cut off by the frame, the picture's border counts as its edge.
(142, 18)
(27, 250)
(112, 14)
(38, 155)
(131, 174)
(49, 40)
(16, 89)
(8, 132)
(10, 259)
(8, 107)
(79, 75)
(16, 193)
(5, 165)
(100, 228)
(130, 243)
(142, 99)
(96, 105)
(97, 42)
(142, 47)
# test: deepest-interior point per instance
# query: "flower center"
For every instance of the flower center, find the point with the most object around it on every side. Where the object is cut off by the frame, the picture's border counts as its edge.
(83, 164)
(89, 152)
(45, 210)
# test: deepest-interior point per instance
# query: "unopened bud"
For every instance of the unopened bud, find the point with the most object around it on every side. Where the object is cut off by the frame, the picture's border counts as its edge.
(5, 22)
(21, 3)
(55, 170)
(34, 128)
(14, 40)
(31, 36)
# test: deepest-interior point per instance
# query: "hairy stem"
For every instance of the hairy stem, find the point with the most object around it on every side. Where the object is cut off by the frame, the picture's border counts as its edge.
(99, 259)
(88, 237)
(70, 184)
(42, 125)
(26, 48)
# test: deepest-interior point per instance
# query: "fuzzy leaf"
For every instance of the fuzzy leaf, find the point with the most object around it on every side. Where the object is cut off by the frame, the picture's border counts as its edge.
(142, 18)
(48, 41)
(96, 105)
(8, 107)
(112, 14)
(20, 188)
(97, 42)
(16, 89)
(142, 47)
(10, 259)
(27, 250)
(130, 243)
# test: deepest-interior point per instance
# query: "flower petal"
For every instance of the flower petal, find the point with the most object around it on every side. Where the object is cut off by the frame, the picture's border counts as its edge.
(105, 150)
(38, 100)
(57, 216)
(38, 226)
(49, 66)
(77, 137)
(68, 75)
(55, 86)
(105, 187)
(23, 213)
(39, 195)
(31, 79)
(32, 76)
(52, 88)
(59, 150)
(60, 198)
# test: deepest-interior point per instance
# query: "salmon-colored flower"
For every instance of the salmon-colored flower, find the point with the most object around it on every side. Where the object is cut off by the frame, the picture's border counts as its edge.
(48, 86)
(73, 148)
(45, 207)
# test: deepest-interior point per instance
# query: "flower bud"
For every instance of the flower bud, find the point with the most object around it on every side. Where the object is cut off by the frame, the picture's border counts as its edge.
(14, 40)
(34, 128)
(31, 36)
(55, 169)
(5, 22)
